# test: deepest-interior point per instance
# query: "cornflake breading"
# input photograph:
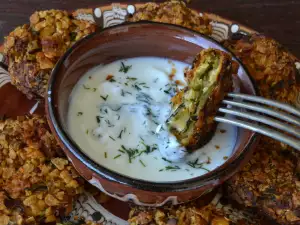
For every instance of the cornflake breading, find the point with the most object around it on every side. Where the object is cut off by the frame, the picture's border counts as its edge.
(194, 108)
(270, 181)
(174, 12)
(32, 50)
(182, 215)
(270, 65)
(37, 184)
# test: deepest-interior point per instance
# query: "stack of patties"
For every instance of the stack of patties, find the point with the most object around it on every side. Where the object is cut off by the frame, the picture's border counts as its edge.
(270, 65)
(270, 181)
(32, 50)
(173, 12)
(38, 185)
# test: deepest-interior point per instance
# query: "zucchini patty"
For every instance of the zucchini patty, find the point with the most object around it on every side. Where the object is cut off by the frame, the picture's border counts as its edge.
(194, 108)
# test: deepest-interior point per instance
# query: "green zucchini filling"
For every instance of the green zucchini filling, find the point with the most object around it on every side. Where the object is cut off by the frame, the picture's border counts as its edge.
(185, 113)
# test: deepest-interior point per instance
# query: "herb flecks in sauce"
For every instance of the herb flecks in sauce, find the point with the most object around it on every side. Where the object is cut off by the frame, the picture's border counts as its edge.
(104, 97)
(170, 168)
(124, 68)
(143, 164)
(117, 156)
(79, 113)
(197, 165)
(123, 120)
(112, 138)
(86, 87)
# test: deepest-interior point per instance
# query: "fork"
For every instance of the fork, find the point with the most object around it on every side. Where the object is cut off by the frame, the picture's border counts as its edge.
(271, 118)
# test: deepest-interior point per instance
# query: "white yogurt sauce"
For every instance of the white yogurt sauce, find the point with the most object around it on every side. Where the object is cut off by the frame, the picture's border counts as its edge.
(115, 114)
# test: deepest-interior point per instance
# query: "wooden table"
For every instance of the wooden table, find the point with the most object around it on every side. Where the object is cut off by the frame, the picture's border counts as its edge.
(279, 19)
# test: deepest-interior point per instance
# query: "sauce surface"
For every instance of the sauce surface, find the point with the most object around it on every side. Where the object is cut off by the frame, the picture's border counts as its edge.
(116, 116)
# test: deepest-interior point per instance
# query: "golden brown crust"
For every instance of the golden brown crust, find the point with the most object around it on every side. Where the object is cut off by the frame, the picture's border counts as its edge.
(182, 215)
(37, 184)
(270, 65)
(270, 181)
(32, 50)
(204, 126)
(174, 12)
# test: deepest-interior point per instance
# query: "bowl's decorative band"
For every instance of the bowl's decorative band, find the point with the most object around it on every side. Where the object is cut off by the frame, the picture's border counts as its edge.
(131, 197)
(87, 207)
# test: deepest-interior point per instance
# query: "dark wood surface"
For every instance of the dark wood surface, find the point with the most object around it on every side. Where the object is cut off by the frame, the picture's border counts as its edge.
(279, 19)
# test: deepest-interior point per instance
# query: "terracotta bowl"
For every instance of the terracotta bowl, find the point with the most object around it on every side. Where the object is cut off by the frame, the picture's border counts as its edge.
(126, 41)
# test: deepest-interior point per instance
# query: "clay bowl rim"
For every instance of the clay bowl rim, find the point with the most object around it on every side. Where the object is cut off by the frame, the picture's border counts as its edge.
(172, 186)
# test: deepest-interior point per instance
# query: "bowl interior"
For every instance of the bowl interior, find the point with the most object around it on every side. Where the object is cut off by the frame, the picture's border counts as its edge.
(127, 41)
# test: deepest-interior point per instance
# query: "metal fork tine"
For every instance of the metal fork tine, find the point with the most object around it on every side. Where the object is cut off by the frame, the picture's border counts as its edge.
(262, 130)
(266, 110)
(262, 100)
(263, 119)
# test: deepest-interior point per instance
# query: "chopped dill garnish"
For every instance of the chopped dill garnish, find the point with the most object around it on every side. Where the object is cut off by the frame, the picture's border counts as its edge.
(120, 135)
(148, 148)
(168, 91)
(117, 156)
(163, 158)
(172, 168)
(109, 123)
(112, 138)
(124, 68)
(104, 98)
(86, 87)
(122, 93)
(131, 78)
(136, 87)
(134, 152)
(195, 164)
(98, 119)
(87, 131)
(112, 80)
(94, 89)
(142, 163)
(150, 113)
(79, 113)
(130, 152)
(105, 154)
(143, 97)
